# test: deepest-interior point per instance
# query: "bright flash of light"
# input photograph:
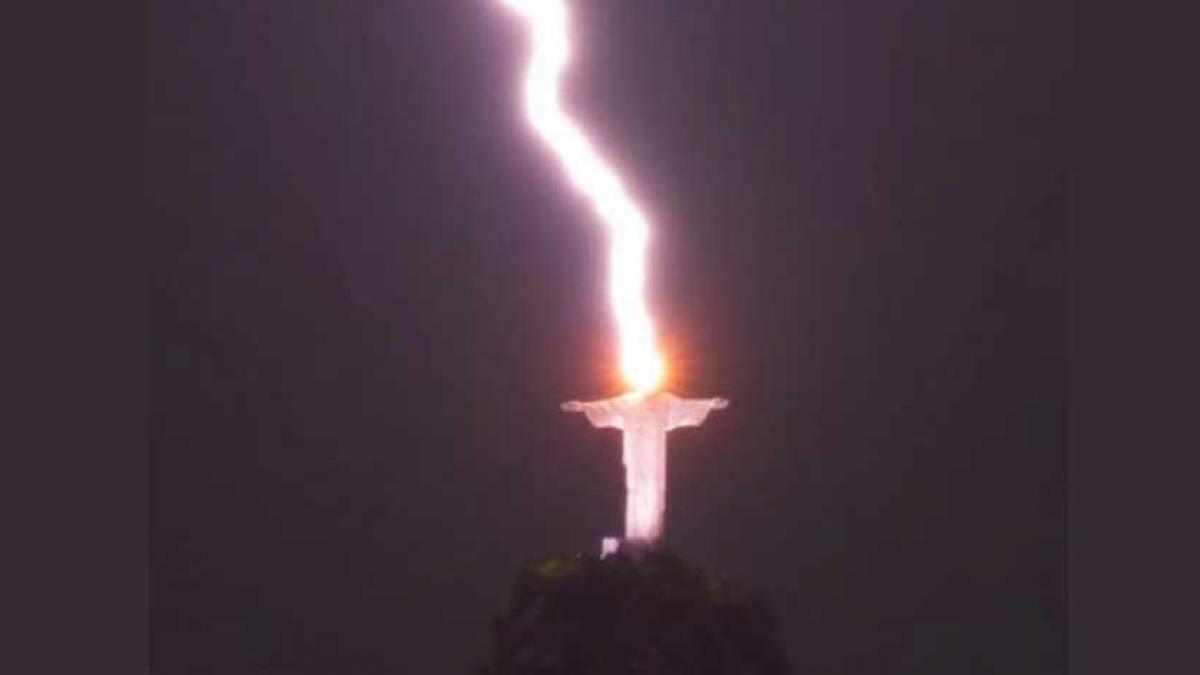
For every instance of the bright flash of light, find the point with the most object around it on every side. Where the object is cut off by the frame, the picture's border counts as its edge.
(641, 362)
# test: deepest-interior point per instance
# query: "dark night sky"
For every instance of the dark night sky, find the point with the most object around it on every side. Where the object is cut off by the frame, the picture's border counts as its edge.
(374, 287)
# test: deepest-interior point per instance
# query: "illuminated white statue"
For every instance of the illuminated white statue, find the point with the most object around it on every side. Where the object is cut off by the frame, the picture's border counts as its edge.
(645, 420)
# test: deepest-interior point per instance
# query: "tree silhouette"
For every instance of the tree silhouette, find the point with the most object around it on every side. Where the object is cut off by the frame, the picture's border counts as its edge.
(584, 615)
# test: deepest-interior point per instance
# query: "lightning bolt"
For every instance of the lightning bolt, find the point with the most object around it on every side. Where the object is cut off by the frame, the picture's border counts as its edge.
(641, 364)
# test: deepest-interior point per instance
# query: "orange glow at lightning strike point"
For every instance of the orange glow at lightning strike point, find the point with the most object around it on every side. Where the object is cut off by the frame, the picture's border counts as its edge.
(641, 362)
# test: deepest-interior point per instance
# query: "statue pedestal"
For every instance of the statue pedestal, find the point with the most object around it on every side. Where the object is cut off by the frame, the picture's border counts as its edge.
(634, 548)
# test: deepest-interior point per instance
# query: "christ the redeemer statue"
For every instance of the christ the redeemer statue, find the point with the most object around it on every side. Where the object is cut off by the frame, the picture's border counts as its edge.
(645, 420)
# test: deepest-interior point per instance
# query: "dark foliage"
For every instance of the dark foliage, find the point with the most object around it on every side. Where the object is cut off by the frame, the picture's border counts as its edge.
(585, 615)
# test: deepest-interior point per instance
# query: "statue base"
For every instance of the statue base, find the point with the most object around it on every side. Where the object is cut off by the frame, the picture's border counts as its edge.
(634, 548)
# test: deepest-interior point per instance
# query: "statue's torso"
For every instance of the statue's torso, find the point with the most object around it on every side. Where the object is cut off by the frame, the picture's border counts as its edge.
(645, 421)
(651, 412)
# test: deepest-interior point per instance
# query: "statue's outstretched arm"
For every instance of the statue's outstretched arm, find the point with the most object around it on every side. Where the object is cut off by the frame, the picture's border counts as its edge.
(692, 412)
(599, 413)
